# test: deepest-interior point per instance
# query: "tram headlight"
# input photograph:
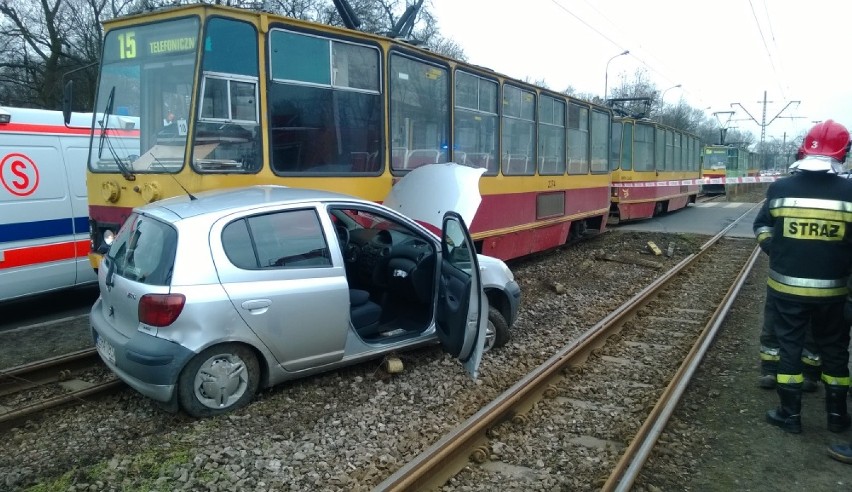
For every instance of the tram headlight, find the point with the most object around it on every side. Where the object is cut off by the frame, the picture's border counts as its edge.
(108, 238)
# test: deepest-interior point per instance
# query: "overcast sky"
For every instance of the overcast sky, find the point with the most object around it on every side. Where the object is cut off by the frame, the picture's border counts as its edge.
(720, 51)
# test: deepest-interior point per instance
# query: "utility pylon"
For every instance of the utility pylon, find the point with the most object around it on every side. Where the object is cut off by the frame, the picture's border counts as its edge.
(763, 123)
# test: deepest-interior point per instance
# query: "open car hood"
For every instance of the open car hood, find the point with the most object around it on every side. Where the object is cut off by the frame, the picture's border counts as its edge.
(429, 191)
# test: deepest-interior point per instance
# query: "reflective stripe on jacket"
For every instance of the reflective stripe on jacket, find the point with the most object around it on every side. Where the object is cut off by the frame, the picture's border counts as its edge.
(805, 225)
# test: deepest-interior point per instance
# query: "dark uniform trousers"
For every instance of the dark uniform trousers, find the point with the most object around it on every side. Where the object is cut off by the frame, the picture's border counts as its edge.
(770, 348)
(830, 336)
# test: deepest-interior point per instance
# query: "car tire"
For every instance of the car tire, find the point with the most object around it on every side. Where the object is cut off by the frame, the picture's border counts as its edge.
(497, 332)
(218, 380)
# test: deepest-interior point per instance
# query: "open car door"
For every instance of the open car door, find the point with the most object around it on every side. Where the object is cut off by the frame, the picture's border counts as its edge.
(461, 317)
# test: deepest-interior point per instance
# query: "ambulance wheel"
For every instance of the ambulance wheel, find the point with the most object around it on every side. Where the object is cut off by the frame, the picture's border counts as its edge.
(497, 331)
(218, 380)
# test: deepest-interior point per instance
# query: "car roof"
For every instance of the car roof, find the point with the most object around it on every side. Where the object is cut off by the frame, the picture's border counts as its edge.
(236, 199)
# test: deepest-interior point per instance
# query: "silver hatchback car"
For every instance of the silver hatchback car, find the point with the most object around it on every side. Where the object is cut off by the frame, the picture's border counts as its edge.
(206, 299)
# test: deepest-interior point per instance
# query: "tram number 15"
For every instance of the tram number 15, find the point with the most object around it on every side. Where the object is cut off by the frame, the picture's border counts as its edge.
(127, 45)
(551, 183)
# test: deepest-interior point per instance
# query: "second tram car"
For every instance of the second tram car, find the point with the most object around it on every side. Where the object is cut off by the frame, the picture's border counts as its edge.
(655, 169)
(722, 165)
(714, 163)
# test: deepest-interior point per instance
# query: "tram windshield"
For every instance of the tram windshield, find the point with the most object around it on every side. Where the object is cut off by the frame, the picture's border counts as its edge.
(716, 160)
(145, 87)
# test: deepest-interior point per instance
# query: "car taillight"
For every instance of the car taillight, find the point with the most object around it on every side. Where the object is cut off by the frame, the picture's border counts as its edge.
(160, 309)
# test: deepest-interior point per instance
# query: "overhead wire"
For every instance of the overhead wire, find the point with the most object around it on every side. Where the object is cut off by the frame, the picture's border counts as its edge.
(766, 47)
(653, 69)
(639, 59)
(794, 123)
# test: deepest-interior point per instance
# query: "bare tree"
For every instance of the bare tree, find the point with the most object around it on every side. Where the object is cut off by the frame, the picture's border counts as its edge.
(45, 42)
(46, 39)
(39, 51)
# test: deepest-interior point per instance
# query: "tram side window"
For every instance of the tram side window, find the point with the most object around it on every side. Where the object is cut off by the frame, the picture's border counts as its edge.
(687, 152)
(475, 137)
(551, 136)
(419, 113)
(600, 139)
(518, 132)
(615, 146)
(699, 161)
(627, 148)
(325, 107)
(227, 136)
(669, 151)
(643, 147)
(578, 139)
(696, 156)
(659, 149)
(678, 156)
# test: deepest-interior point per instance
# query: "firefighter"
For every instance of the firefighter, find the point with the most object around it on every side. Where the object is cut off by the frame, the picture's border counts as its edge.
(805, 225)
(843, 452)
(769, 348)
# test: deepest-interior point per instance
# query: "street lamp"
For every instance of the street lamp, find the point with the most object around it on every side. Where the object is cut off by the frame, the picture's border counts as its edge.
(606, 74)
(663, 99)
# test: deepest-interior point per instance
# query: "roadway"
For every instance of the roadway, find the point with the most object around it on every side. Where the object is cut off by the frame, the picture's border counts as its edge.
(701, 218)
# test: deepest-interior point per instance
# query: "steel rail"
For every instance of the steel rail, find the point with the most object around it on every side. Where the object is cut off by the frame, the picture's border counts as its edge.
(446, 457)
(6, 419)
(634, 457)
(45, 371)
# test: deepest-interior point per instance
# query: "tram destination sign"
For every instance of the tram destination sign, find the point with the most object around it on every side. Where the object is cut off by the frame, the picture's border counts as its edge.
(146, 41)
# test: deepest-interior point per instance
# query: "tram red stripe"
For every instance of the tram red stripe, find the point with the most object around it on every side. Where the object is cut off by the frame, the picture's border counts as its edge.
(33, 255)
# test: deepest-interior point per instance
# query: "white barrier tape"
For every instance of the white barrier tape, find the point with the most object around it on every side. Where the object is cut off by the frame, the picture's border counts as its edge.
(699, 181)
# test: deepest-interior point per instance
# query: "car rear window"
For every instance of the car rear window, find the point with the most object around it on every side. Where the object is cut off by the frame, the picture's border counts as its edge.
(144, 251)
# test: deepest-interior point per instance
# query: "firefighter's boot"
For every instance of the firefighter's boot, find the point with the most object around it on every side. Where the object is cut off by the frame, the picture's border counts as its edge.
(768, 370)
(841, 452)
(835, 408)
(788, 415)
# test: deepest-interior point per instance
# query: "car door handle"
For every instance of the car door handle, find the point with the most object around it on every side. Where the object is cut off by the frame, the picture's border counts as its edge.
(255, 304)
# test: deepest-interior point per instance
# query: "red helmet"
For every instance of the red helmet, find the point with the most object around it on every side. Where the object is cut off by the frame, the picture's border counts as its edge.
(829, 139)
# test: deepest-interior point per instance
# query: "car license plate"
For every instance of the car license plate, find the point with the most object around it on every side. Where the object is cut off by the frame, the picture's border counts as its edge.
(105, 349)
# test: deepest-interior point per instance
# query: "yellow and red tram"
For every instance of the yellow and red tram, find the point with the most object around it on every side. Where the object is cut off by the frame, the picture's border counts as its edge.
(224, 97)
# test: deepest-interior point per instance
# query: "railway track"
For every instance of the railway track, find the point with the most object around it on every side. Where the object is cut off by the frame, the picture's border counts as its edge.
(597, 406)
(702, 198)
(31, 388)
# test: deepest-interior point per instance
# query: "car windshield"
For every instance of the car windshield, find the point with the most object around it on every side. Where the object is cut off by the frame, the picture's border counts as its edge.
(143, 251)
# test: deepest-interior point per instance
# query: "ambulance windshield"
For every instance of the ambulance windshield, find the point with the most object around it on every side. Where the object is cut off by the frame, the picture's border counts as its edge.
(143, 102)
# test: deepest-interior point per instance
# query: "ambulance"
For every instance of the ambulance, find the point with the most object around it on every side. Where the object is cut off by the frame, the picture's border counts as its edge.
(44, 225)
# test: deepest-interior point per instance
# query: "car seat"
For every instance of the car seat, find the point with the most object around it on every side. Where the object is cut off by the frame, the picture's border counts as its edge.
(364, 313)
